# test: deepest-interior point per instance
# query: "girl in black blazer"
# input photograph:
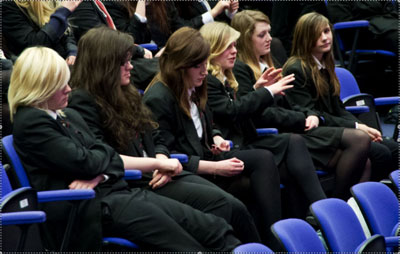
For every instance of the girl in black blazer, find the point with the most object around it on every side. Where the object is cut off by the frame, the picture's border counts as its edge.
(58, 151)
(32, 23)
(178, 99)
(234, 113)
(316, 92)
(322, 142)
(112, 108)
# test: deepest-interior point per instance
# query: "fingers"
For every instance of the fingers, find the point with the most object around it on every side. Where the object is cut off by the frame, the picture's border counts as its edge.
(164, 179)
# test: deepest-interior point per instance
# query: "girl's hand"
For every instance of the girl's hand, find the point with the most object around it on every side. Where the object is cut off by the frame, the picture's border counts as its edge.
(71, 4)
(159, 179)
(374, 134)
(234, 6)
(282, 85)
(311, 122)
(70, 60)
(221, 144)
(229, 167)
(269, 77)
(170, 166)
(86, 184)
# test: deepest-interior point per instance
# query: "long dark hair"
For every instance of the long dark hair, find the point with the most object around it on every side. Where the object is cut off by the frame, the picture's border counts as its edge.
(306, 33)
(101, 52)
(184, 49)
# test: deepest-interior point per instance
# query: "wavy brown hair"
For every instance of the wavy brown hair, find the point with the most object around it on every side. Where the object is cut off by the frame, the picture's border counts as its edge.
(101, 52)
(306, 33)
(245, 22)
(185, 48)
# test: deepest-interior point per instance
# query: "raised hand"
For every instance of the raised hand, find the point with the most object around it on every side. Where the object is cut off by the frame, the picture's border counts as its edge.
(282, 85)
(220, 7)
(269, 77)
(71, 4)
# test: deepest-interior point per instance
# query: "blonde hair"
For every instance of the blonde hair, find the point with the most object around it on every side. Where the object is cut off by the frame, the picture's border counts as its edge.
(245, 22)
(306, 33)
(220, 36)
(38, 73)
(38, 11)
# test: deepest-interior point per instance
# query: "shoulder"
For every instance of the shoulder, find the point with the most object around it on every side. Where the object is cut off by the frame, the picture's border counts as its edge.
(212, 81)
(29, 118)
(293, 66)
(242, 68)
(158, 92)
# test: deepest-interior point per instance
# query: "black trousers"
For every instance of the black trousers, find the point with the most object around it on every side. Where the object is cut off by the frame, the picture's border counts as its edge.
(158, 223)
(207, 197)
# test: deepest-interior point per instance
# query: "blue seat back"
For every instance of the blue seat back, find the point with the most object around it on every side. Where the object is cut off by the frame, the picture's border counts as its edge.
(394, 177)
(379, 206)
(15, 161)
(252, 248)
(339, 224)
(297, 236)
(348, 84)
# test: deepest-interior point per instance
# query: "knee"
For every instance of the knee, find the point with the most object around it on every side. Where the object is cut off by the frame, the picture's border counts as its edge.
(362, 139)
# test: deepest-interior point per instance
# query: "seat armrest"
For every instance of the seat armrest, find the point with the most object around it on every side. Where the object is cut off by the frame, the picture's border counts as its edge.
(132, 174)
(27, 217)
(394, 100)
(149, 46)
(62, 195)
(351, 24)
(266, 131)
(183, 158)
(357, 109)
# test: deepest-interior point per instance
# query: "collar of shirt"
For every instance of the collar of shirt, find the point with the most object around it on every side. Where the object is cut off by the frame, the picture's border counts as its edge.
(190, 91)
(263, 66)
(51, 113)
(320, 65)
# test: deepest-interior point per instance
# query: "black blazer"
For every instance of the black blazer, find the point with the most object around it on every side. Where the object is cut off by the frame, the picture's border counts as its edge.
(304, 95)
(279, 115)
(143, 32)
(20, 32)
(233, 117)
(178, 129)
(53, 156)
(191, 11)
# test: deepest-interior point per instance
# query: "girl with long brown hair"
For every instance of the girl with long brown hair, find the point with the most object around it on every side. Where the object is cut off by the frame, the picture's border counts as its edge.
(178, 99)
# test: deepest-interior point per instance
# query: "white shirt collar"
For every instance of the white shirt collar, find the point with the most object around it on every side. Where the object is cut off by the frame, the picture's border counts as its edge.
(51, 113)
(320, 65)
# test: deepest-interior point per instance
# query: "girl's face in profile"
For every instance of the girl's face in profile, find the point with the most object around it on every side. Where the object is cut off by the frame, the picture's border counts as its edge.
(323, 43)
(197, 74)
(227, 58)
(125, 70)
(261, 39)
(59, 100)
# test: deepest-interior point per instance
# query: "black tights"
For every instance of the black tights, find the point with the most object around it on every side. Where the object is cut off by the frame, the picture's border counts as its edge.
(352, 162)
(265, 194)
(300, 166)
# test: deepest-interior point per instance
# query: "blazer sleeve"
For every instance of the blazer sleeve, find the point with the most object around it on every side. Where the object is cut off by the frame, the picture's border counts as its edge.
(235, 110)
(275, 116)
(75, 153)
(165, 111)
(20, 32)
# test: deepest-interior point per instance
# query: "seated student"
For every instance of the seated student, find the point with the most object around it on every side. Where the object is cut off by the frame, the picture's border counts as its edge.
(31, 23)
(316, 92)
(113, 110)
(197, 13)
(59, 151)
(145, 20)
(178, 99)
(233, 113)
(327, 150)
